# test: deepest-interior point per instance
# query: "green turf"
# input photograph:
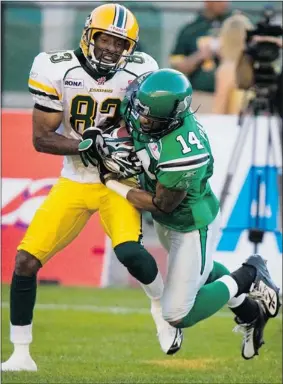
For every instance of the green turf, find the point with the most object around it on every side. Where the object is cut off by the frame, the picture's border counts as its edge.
(84, 346)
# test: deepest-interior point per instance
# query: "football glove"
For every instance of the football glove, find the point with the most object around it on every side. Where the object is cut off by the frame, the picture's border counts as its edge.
(92, 148)
(105, 174)
(126, 164)
(102, 152)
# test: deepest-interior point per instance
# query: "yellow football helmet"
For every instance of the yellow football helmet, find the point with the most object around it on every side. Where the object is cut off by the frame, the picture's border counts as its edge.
(113, 19)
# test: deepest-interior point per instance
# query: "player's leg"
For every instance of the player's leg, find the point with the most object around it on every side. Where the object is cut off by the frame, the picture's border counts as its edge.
(186, 299)
(56, 223)
(122, 223)
(250, 315)
(244, 307)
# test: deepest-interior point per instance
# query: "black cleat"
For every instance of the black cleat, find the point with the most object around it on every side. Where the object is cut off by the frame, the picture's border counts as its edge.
(263, 288)
(253, 333)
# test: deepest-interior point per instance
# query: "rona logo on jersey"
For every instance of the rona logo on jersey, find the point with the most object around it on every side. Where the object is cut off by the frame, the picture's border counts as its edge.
(73, 83)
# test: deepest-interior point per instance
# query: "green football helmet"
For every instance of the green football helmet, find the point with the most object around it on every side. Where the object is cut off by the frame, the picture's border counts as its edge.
(160, 100)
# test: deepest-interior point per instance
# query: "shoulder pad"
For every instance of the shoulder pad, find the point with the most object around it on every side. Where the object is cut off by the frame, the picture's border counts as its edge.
(54, 63)
(141, 62)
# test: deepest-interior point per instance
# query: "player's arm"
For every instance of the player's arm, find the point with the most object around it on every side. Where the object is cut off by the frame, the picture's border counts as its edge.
(165, 200)
(184, 58)
(45, 87)
(45, 139)
(175, 179)
(224, 83)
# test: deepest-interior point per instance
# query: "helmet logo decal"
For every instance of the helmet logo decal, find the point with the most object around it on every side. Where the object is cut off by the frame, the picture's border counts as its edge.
(141, 108)
(184, 105)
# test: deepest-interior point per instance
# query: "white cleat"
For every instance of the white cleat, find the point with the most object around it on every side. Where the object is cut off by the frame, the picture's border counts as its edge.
(170, 338)
(18, 362)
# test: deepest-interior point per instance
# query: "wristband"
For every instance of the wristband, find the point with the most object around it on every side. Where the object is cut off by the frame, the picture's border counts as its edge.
(119, 188)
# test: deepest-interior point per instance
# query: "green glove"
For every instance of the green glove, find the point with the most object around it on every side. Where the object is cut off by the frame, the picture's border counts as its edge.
(87, 154)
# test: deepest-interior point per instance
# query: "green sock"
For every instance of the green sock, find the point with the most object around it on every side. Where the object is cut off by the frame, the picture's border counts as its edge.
(218, 271)
(209, 300)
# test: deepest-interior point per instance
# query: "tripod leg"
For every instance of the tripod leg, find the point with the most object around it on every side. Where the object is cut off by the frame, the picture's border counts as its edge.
(276, 147)
(240, 141)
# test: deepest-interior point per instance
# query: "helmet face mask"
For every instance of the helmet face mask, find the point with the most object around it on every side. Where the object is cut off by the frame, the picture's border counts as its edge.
(118, 22)
(154, 126)
(101, 57)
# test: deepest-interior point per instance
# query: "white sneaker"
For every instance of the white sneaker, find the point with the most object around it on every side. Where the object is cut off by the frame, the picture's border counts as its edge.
(170, 338)
(18, 362)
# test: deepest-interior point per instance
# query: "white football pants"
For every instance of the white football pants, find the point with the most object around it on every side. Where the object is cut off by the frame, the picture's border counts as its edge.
(190, 262)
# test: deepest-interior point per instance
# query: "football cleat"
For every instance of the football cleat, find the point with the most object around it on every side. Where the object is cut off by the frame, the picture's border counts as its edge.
(263, 287)
(19, 362)
(253, 333)
(170, 338)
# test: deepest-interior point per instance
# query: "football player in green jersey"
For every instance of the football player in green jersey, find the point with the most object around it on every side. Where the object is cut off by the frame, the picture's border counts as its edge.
(178, 162)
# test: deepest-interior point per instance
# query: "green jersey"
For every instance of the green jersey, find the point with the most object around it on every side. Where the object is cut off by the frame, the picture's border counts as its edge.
(192, 37)
(181, 160)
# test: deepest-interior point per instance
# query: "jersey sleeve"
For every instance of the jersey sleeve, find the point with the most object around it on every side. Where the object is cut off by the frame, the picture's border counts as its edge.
(183, 161)
(42, 83)
(182, 179)
(150, 63)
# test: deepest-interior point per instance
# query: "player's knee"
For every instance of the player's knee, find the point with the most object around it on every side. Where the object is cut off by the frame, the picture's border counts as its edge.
(175, 313)
(173, 320)
(26, 264)
(137, 260)
(126, 252)
(172, 317)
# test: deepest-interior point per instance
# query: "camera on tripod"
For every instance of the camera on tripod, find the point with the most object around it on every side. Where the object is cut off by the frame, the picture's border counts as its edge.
(258, 73)
(264, 53)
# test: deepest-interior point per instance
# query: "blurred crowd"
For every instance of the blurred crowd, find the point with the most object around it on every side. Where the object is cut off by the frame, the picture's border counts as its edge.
(208, 51)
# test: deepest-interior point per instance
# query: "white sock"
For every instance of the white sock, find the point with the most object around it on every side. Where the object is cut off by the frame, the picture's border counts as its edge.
(21, 334)
(236, 301)
(154, 290)
(231, 285)
(22, 349)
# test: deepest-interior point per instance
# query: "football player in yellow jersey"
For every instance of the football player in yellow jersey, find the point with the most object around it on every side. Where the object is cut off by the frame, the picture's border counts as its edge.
(74, 90)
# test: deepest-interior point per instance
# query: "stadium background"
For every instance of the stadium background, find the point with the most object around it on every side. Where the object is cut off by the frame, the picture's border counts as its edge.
(30, 27)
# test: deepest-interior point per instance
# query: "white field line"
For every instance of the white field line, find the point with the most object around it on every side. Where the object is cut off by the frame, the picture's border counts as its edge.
(102, 309)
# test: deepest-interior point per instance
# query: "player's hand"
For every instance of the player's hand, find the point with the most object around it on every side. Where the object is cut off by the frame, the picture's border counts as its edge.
(105, 174)
(126, 164)
(92, 148)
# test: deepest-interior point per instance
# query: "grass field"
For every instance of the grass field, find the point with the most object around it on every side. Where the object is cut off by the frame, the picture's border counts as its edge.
(107, 336)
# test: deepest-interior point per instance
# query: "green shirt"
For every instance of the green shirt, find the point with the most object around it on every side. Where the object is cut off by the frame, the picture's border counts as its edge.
(190, 38)
(181, 160)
